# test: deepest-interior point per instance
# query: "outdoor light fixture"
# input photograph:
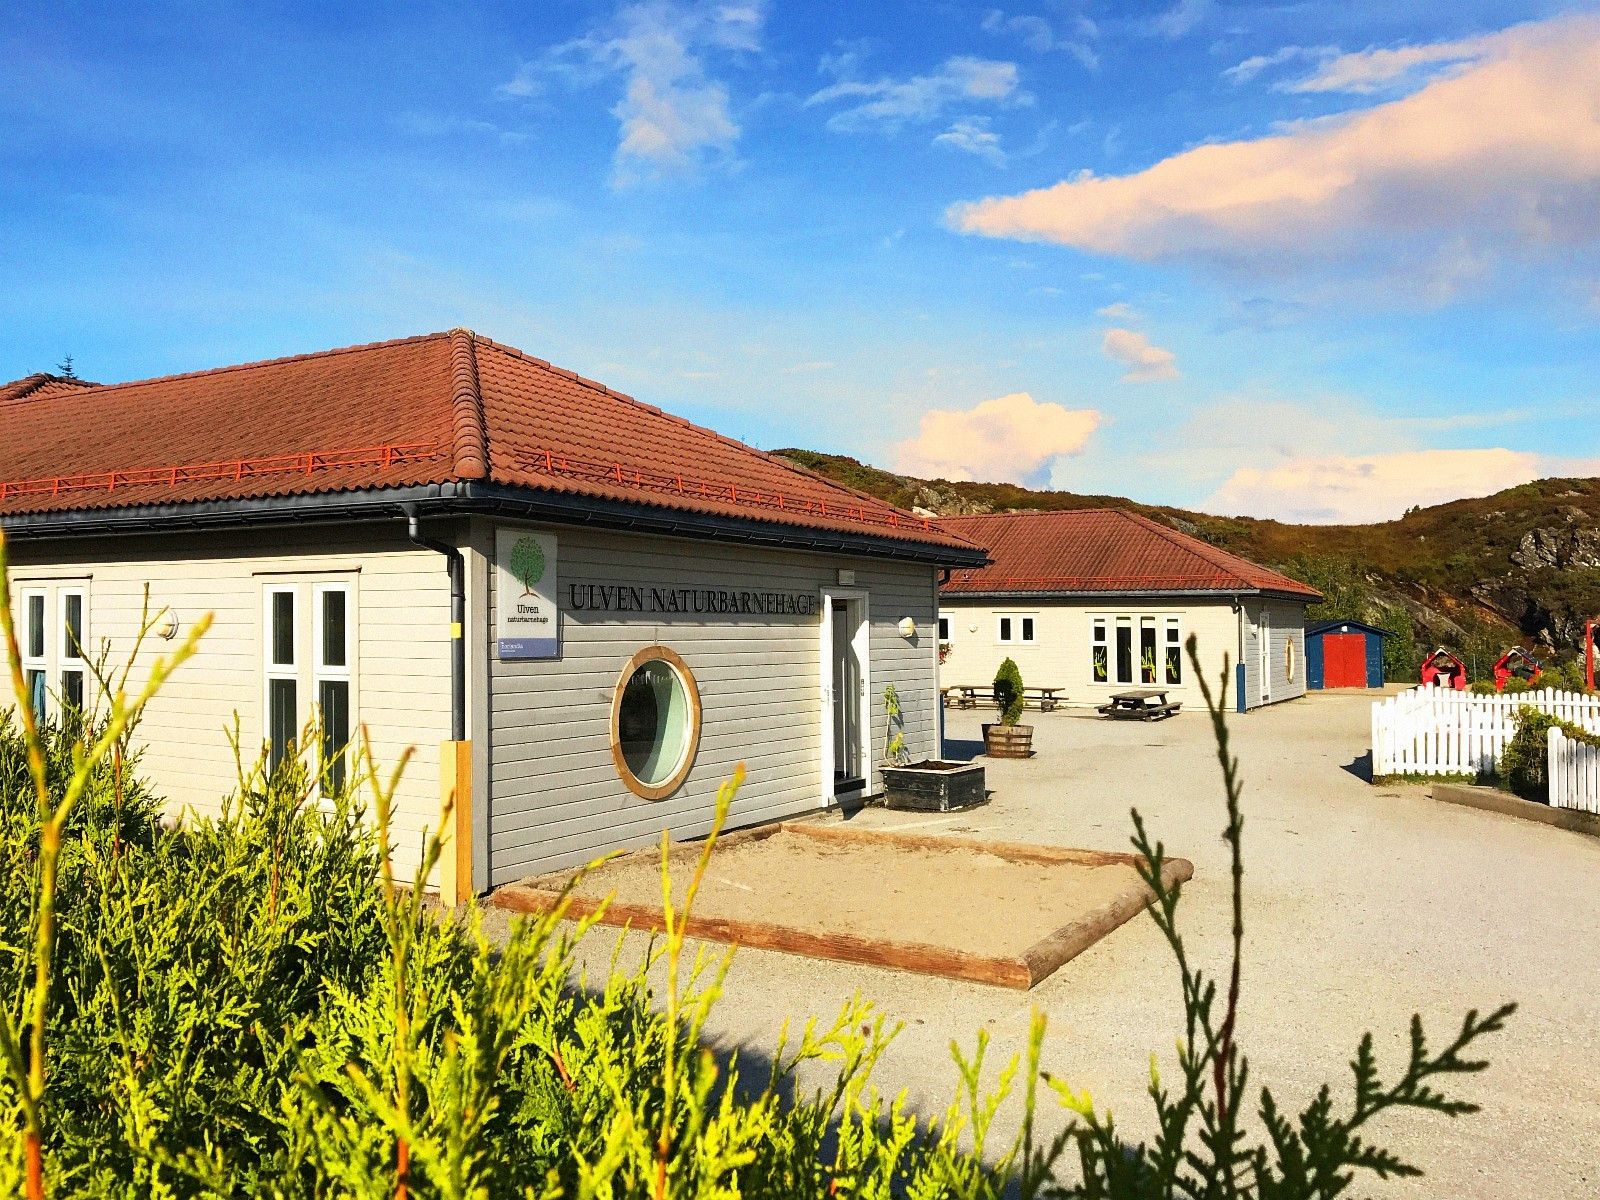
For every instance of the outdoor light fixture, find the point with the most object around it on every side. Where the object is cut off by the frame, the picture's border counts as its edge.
(908, 627)
(166, 625)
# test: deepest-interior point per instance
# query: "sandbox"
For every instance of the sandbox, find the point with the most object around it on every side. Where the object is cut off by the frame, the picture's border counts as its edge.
(991, 912)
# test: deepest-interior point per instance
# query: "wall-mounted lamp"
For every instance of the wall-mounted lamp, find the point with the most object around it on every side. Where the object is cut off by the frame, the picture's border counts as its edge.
(166, 625)
(908, 627)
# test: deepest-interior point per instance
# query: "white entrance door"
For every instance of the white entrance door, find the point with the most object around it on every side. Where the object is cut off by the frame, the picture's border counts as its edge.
(846, 718)
(1265, 638)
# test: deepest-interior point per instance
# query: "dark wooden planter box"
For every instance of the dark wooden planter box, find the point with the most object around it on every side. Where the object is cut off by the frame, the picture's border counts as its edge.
(1008, 741)
(934, 786)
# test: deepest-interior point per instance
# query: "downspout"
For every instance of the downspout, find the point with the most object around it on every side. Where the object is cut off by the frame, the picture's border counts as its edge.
(1240, 699)
(456, 567)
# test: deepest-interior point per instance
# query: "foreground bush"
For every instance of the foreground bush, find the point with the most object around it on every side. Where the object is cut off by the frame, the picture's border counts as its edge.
(252, 1008)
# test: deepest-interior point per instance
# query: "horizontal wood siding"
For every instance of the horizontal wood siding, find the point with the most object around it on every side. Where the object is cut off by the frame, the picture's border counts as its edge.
(556, 799)
(401, 674)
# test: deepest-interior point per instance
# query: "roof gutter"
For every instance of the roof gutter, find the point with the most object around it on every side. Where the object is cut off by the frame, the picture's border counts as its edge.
(461, 498)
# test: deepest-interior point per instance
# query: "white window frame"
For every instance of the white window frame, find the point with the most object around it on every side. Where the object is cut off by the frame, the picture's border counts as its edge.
(1170, 623)
(274, 670)
(944, 629)
(70, 661)
(1100, 639)
(1118, 623)
(1016, 638)
(323, 672)
(30, 661)
(1004, 628)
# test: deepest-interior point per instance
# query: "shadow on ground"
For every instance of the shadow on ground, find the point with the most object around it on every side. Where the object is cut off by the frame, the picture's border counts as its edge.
(1361, 767)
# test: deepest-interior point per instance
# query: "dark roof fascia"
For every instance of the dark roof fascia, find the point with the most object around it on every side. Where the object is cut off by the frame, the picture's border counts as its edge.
(1324, 626)
(469, 498)
(1139, 594)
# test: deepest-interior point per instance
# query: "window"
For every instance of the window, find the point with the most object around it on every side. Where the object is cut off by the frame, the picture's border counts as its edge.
(655, 722)
(1174, 651)
(1099, 660)
(35, 672)
(1124, 649)
(944, 629)
(332, 677)
(1015, 628)
(1147, 649)
(1005, 629)
(1027, 629)
(74, 637)
(282, 677)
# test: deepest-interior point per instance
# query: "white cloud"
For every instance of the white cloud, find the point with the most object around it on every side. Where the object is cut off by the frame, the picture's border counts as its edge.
(1039, 35)
(1353, 489)
(1500, 158)
(807, 366)
(1181, 18)
(975, 137)
(1009, 439)
(1145, 363)
(1370, 69)
(673, 117)
(1247, 70)
(888, 104)
(1120, 311)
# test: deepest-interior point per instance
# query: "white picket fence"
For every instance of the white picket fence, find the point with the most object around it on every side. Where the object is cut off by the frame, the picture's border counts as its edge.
(1440, 731)
(1574, 773)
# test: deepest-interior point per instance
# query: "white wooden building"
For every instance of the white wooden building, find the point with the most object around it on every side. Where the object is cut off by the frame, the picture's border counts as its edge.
(581, 611)
(1098, 601)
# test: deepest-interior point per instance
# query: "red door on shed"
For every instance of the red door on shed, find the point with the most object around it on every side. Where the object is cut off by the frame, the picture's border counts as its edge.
(1344, 660)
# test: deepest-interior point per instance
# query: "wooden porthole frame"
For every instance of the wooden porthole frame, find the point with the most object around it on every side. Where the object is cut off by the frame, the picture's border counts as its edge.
(675, 663)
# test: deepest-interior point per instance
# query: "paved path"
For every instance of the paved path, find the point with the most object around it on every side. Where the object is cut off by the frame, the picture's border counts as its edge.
(1363, 906)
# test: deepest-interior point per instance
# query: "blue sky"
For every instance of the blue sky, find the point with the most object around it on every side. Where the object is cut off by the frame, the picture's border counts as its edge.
(1312, 261)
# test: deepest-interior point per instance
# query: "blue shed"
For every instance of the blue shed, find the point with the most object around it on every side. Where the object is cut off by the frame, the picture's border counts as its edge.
(1344, 654)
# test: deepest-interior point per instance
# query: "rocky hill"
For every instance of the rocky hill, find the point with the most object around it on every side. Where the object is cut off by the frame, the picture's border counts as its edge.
(1521, 565)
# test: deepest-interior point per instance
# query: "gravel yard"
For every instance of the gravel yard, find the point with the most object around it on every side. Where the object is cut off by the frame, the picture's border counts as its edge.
(1363, 905)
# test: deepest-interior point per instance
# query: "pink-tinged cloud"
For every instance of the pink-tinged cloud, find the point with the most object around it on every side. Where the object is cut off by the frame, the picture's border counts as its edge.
(1503, 154)
(1340, 489)
(1006, 440)
(1145, 363)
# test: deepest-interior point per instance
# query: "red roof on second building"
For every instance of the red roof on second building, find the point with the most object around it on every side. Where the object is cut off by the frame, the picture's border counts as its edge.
(438, 408)
(1101, 550)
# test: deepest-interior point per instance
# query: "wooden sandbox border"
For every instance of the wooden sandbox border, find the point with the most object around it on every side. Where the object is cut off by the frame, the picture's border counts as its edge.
(1021, 972)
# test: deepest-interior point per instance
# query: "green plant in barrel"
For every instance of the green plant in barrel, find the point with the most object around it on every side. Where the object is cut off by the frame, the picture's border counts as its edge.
(1008, 692)
(527, 563)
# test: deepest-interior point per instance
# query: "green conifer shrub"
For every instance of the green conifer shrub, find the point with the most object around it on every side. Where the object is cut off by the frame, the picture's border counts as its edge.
(1008, 695)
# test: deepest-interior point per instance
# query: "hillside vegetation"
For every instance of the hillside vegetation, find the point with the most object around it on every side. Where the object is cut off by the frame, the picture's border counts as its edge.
(1521, 565)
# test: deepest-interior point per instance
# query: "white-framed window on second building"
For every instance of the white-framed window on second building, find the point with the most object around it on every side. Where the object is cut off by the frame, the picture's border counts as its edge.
(1174, 650)
(331, 676)
(1147, 650)
(35, 667)
(282, 674)
(944, 629)
(1100, 652)
(1124, 650)
(1015, 627)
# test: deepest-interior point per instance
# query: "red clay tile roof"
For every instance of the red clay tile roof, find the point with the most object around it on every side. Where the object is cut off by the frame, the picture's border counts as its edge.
(1102, 550)
(432, 409)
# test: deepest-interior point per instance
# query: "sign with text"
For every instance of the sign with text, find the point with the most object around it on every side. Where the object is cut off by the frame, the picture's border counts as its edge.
(527, 621)
(622, 597)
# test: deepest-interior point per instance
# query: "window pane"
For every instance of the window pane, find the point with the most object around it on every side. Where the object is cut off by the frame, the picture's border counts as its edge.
(333, 635)
(1174, 664)
(333, 697)
(1027, 629)
(36, 693)
(1147, 649)
(1172, 631)
(283, 629)
(72, 689)
(35, 627)
(944, 629)
(1099, 661)
(1005, 629)
(72, 631)
(281, 730)
(1124, 652)
(653, 722)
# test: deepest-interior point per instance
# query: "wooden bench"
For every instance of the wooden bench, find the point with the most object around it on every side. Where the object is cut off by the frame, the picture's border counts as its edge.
(969, 696)
(1146, 704)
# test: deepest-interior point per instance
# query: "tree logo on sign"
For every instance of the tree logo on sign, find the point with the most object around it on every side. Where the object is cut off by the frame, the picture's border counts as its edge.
(527, 563)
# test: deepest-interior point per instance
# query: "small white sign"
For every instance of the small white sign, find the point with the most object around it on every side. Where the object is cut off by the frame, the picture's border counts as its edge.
(528, 621)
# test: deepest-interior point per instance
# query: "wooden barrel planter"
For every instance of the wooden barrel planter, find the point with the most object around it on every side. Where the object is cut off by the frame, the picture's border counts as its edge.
(1008, 741)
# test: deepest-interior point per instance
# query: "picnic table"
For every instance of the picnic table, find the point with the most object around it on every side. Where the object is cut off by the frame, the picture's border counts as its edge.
(967, 696)
(1144, 704)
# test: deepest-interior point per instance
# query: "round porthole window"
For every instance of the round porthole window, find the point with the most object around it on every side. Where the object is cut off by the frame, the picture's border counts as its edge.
(655, 722)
